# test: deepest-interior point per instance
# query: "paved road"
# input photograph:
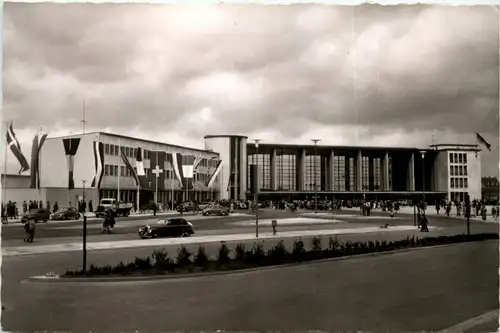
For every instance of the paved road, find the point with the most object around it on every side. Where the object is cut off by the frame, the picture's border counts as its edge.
(422, 290)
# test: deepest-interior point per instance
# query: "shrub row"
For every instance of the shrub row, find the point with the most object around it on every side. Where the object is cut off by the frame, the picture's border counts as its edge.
(160, 262)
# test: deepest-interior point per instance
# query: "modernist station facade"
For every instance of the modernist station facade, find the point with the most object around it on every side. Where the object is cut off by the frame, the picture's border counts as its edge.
(284, 171)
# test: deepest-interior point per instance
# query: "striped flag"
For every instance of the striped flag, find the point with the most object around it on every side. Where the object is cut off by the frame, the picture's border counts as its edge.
(38, 142)
(197, 162)
(15, 147)
(129, 166)
(99, 164)
(211, 179)
(70, 148)
(482, 141)
(188, 171)
(139, 164)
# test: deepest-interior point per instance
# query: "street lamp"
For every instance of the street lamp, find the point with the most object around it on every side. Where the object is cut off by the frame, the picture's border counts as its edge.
(84, 232)
(422, 152)
(314, 183)
(256, 194)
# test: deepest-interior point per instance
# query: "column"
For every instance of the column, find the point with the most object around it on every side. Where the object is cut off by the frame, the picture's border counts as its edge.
(323, 174)
(347, 172)
(385, 172)
(301, 167)
(371, 174)
(235, 194)
(330, 172)
(410, 181)
(359, 171)
(274, 183)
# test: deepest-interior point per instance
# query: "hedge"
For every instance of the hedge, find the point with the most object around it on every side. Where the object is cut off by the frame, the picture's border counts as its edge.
(186, 262)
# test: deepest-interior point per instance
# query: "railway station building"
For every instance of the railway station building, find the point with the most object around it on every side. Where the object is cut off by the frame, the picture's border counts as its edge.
(443, 171)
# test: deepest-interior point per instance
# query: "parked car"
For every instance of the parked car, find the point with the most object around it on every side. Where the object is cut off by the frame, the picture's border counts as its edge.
(188, 207)
(217, 211)
(176, 227)
(119, 208)
(68, 213)
(39, 215)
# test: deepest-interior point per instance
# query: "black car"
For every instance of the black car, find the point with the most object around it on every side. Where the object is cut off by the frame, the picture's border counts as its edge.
(176, 227)
(217, 211)
(39, 215)
(69, 213)
(188, 207)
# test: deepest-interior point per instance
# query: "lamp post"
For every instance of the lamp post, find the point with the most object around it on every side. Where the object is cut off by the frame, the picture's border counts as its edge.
(84, 233)
(314, 183)
(256, 194)
(422, 152)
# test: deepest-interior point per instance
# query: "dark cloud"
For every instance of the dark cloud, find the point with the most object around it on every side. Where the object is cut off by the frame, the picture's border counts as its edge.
(280, 70)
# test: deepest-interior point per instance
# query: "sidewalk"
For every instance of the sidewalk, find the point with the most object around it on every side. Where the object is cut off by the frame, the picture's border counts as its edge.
(431, 211)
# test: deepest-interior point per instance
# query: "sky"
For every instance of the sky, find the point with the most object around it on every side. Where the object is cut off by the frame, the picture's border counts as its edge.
(405, 75)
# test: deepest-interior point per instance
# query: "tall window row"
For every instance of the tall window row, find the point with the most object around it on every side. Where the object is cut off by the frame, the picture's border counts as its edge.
(458, 158)
(313, 173)
(286, 169)
(264, 169)
(339, 173)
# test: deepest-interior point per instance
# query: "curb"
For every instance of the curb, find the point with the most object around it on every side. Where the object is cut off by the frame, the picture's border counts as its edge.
(57, 279)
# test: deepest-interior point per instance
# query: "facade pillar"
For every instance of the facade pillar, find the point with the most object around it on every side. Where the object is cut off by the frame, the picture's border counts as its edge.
(323, 174)
(301, 168)
(385, 172)
(410, 181)
(331, 173)
(347, 173)
(274, 177)
(359, 171)
(371, 174)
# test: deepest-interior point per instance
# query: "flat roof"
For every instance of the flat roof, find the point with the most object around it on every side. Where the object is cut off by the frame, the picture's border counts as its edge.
(134, 138)
(225, 136)
(286, 145)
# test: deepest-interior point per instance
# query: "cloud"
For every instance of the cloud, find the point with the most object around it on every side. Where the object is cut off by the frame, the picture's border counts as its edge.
(351, 74)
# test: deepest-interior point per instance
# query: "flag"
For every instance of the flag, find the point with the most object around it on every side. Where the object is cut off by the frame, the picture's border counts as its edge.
(482, 141)
(15, 147)
(157, 159)
(211, 179)
(139, 164)
(70, 148)
(175, 160)
(197, 162)
(38, 142)
(99, 164)
(188, 171)
(129, 166)
(230, 182)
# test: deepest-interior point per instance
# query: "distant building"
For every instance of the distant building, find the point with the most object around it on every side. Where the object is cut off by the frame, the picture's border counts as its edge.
(284, 171)
(490, 188)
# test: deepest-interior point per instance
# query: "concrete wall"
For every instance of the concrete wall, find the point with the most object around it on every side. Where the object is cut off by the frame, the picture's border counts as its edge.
(441, 172)
(63, 197)
(474, 174)
(15, 181)
(222, 146)
(19, 195)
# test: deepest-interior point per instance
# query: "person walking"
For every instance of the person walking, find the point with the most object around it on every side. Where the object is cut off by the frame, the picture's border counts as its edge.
(91, 207)
(424, 223)
(437, 208)
(29, 227)
(25, 207)
(56, 207)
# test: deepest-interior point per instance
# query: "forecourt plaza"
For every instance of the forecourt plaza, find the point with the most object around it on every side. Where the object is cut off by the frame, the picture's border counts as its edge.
(424, 289)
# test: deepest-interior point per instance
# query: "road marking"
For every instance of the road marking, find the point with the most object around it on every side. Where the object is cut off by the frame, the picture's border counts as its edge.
(109, 245)
(288, 221)
(474, 322)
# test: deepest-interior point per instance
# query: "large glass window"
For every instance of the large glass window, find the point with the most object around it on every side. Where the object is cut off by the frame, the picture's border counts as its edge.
(365, 173)
(264, 169)
(313, 173)
(377, 179)
(339, 173)
(285, 172)
(451, 157)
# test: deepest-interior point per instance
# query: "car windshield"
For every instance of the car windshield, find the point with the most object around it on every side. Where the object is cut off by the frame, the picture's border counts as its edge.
(34, 211)
(63, 209)
(161, 222)
(106, 202)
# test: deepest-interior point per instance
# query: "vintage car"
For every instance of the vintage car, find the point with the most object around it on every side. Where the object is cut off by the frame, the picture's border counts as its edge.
(37, 214)
(188, 207)
(67, 213)
(216, 211)
(175, 227)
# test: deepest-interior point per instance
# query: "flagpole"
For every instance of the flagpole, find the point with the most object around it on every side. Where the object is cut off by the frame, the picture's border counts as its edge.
(38, 165)
(5, 165)
(119, 171)
(156, 179)
(172, 184)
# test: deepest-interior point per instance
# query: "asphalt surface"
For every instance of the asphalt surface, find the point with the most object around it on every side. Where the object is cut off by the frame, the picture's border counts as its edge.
(74, 307)
(421, 290)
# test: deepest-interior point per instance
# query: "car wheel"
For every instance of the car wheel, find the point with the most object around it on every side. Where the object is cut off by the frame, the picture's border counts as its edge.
(225, 214)
(45, 221)
(205, 214)
(77, 216)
